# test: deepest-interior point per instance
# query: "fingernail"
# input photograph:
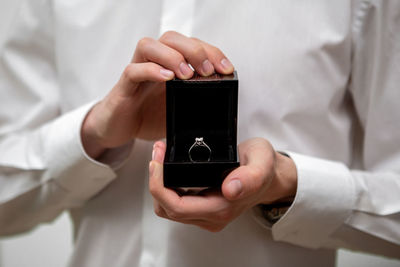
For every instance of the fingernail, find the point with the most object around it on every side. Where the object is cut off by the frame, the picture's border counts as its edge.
(235, 188)
(207, 67)
(226, 64)
(167, 74)
(151, 168)
(185, 70)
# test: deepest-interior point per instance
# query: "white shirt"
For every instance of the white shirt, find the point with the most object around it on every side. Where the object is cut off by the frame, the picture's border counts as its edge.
(319, 78)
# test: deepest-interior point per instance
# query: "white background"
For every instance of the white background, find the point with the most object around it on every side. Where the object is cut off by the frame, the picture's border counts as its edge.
(50, 245)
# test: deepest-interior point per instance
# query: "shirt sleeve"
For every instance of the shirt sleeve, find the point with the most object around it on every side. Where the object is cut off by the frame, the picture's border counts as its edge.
(43, 167)
(358, 207)
(337, 207)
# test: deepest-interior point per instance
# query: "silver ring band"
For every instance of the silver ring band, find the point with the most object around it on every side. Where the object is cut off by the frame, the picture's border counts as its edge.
(199, 143)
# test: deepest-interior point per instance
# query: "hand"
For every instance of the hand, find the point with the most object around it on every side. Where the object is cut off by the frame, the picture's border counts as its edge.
(264, 177)
(135, 107)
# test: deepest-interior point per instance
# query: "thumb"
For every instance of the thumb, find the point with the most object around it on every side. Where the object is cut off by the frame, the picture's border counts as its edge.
(250, 178)
(242, 183)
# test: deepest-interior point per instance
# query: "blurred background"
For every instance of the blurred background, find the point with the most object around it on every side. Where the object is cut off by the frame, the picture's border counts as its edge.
(50, 245)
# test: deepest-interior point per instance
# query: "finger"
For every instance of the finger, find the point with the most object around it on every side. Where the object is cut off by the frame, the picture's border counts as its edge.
(150, 50)
(191, 49)
(135, 73)
(186, 207)
(159, 149)
(160, 212)
(211, 206)
(209, 226)
(164, 196)
(220, 62)
(254, 175)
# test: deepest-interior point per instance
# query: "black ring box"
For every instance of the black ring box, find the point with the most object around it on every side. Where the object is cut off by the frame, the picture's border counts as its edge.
(201, 107)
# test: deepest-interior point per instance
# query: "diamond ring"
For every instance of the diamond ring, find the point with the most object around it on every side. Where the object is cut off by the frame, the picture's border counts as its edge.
(199, 151)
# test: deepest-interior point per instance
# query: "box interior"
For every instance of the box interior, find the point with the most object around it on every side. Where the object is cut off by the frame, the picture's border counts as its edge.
(206, 109)
(201, 107)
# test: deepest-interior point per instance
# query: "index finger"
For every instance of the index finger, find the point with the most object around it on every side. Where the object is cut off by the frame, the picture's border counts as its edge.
(217, 57)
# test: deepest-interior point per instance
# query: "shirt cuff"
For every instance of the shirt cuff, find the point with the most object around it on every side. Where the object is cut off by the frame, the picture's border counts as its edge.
(69, 165)
(323, 202)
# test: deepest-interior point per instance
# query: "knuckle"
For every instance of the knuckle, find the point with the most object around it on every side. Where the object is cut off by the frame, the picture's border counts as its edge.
(141, 46)
(214, 50)
(195, 39)
(153, 189)
(174, 58)
(167, 35)
(148, 69)
(215, 228)
(197, 51)
(210, 48)
(128, 71)
(145, 41)
(225, 216)
(259, 139)
(174, 214)
(218, 53)
(159, 211)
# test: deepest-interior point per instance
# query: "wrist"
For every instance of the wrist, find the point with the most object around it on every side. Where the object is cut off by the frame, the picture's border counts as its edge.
(90, 140)
(284, 184)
